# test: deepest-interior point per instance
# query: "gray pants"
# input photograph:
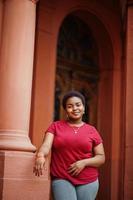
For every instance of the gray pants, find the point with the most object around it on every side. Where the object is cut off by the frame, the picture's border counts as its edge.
(64, 190)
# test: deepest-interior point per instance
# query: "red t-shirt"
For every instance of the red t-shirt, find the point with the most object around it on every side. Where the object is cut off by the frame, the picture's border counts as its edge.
(69, 147)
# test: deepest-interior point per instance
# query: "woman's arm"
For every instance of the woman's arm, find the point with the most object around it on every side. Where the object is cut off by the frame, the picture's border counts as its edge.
(97, 160)
(46, 145)
(42, 153)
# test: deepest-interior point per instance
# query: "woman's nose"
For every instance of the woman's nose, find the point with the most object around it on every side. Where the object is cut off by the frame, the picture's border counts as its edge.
(74, 107)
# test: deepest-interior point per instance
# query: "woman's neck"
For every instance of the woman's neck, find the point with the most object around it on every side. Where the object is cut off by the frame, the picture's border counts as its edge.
(75, 122)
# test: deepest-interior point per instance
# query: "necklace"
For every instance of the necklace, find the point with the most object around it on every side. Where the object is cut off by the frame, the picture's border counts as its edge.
(75, 130)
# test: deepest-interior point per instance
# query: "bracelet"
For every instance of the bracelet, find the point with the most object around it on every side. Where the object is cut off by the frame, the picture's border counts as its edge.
(39, 155)
(39, 158)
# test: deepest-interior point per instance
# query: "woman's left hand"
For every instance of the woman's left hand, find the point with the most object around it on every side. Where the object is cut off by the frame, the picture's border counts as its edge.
(76, 167)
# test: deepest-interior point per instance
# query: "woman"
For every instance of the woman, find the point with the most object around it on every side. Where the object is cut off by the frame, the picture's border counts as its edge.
(77, 152)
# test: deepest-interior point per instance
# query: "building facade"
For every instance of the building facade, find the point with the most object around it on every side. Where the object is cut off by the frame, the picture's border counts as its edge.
(48, 47)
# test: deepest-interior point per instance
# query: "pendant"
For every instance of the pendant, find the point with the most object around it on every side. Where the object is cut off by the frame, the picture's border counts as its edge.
(76, 130)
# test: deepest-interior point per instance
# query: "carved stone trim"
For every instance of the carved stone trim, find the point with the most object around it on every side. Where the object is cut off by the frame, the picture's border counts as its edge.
(34, 1)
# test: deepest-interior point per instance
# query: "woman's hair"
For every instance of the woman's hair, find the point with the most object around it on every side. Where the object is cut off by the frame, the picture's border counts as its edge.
(70, 94)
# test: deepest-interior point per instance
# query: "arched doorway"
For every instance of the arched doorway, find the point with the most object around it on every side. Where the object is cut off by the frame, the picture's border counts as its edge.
(105, 35)
(77, 66)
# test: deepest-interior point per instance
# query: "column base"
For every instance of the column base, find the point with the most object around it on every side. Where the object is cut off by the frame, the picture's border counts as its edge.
(17, 141)
(17, 179)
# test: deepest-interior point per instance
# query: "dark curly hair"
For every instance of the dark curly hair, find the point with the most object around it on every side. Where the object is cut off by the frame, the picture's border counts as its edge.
(70, 94)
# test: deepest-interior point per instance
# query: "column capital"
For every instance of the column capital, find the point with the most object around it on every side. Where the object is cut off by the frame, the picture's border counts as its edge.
(34, 1)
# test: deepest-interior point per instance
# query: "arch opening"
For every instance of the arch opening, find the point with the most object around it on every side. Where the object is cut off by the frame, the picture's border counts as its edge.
(85, 63)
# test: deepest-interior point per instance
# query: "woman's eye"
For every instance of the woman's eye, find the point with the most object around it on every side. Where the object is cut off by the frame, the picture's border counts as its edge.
(78, 105)
(69, 107)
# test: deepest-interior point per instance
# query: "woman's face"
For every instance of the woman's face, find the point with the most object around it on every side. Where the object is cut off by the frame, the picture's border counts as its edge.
(74, 108)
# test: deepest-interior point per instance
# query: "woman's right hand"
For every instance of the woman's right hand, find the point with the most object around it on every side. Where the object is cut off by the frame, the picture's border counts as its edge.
(39, 166)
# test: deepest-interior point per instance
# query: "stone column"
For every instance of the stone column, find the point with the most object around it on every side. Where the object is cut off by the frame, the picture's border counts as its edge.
(1, 17)
(16, 67)
(16, 70)
(128, 183)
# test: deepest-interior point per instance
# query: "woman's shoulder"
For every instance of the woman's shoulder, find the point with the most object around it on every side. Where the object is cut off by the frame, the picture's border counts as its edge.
(59, 122)
(90, 127)
(55, 126)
